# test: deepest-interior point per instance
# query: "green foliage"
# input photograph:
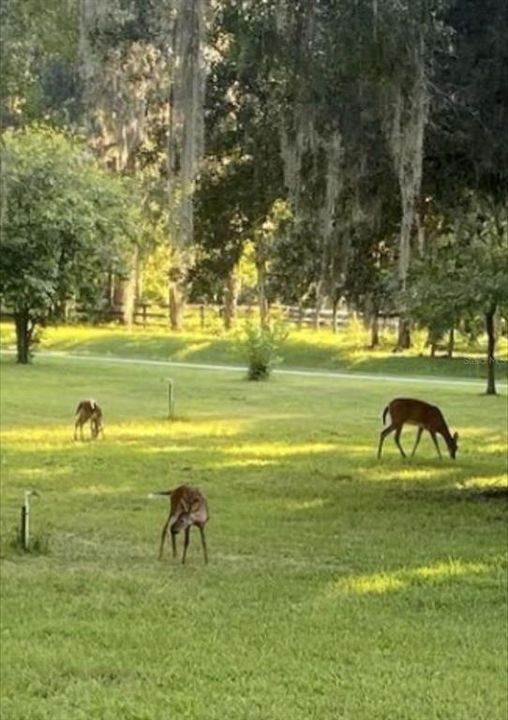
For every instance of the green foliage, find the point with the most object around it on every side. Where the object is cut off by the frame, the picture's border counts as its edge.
(65, 223)
(38, 52)
(463, 273)
(262, 346)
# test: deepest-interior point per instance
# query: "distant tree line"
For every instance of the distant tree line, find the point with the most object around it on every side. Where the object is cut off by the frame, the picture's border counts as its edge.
(295, 151)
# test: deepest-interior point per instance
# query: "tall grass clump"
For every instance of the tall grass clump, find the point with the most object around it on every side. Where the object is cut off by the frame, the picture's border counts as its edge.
(262, 345)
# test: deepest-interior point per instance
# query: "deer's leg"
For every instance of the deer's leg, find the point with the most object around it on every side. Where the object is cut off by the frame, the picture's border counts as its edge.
(203, 543)
(163, 537)
(173, 543)
(186, 543)
(76, 430)
(397, 440)
(418, 436)
(384, 433)
(434, 438)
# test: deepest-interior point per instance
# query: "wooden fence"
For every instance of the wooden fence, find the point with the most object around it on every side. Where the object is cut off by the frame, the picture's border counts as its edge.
(203, 315)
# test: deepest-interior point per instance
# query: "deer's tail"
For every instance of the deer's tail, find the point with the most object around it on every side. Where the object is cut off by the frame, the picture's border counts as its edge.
(160, 493)
(385, 413)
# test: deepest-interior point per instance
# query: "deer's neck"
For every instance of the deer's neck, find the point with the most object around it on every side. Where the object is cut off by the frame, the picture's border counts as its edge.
(445, 432)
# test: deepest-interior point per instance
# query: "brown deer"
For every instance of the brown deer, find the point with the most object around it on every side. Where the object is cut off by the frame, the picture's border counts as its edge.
(88, 410)
(188, 507)
(405, 411)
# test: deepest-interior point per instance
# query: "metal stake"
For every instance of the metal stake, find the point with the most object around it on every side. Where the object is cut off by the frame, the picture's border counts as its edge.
(171, 398)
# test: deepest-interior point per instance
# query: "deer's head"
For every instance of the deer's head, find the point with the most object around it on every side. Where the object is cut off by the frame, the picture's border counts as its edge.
(454, 445)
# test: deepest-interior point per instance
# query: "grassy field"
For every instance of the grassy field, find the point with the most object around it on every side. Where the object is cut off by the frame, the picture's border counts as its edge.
(346, 351)
(338, 586)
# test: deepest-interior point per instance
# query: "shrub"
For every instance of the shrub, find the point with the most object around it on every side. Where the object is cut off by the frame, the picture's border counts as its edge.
(262, 345)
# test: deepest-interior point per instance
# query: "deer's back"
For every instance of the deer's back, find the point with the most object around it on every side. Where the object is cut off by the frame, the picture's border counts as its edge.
(189, 501)
(415, 412)
(88, 408)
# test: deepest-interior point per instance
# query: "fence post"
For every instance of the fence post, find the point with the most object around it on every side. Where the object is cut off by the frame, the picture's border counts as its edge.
(171, 398)
(25, 519)
(24, 530)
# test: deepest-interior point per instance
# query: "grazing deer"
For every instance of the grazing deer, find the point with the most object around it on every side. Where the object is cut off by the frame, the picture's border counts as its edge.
(88, 410)
(405, 411)
(188, 507)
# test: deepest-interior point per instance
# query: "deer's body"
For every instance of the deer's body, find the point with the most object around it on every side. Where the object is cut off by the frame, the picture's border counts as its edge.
(88, 410)
(406, 411)
(188, 507)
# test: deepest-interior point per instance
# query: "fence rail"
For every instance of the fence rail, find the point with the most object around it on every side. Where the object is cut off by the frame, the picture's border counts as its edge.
(157, 314)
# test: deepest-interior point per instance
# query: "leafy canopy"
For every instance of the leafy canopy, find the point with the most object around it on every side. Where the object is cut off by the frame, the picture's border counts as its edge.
(65, 221)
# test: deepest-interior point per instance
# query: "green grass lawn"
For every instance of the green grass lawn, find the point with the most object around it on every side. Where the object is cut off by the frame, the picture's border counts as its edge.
(307, 348)
(338, 586)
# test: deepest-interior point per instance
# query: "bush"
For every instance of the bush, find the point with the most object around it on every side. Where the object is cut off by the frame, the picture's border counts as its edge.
(262, 345)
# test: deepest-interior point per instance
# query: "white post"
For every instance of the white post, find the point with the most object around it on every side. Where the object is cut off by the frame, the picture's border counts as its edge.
(25, 518)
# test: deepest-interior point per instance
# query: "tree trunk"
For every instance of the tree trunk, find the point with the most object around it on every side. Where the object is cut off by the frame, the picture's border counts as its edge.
(320, 299)
(335, 310)
(404, 334)
(300, 315)
(374, 329)
(110, 290)
(451, 343)
(23, 336)
(176, 300)
(491, 349)
(130, 294)
(231, 300)
(432, 341)
(262, 301)
(181, 262)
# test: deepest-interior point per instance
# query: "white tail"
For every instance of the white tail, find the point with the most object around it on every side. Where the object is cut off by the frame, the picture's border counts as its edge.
(188, 507)
(88, 410)
(406, 411)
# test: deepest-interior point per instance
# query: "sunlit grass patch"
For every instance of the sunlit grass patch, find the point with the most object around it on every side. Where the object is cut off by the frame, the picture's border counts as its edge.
(386, 582)
(333, 572)
(278, 449)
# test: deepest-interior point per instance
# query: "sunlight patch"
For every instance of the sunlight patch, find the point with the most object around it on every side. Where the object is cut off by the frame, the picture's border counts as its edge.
(101, 490)
(191, 349)
(303, 504)
(43, 472)
(281, 449)
(251, 462)
(377, 584)
(486, 481)
(380, 583)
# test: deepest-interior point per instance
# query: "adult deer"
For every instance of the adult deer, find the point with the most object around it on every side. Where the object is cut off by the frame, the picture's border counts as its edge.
(188, 507)
(405, 411)
(88, 410)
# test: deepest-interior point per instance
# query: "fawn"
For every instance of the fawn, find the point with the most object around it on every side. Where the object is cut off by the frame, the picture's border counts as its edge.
(188, 507)
(424, 416)
(88, 410)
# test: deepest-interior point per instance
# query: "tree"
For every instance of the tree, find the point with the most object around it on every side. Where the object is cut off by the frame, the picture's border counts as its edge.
(464, 273)
(485, 280)
(65, 223)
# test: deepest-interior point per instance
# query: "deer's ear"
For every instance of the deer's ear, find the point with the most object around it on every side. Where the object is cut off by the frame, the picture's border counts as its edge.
(456, 436)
